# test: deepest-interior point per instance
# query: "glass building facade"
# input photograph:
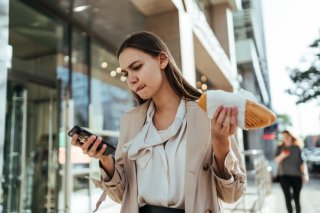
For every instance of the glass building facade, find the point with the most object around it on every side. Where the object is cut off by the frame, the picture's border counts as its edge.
(59, 76)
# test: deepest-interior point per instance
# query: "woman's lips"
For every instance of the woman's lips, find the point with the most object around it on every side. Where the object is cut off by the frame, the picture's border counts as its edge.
(140, 88)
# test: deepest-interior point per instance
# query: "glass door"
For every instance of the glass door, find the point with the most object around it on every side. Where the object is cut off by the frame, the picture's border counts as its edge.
(31, 144)
(14, 138)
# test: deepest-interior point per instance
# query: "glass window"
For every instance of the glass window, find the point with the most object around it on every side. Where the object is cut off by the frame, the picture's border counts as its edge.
(31, 136)
(80, 80)
(36, 40)
(110, 96)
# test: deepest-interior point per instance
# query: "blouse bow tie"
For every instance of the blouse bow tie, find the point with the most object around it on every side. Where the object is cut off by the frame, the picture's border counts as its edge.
(140, 148)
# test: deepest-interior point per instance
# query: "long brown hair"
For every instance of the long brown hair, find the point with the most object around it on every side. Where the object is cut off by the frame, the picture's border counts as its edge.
(151, 44)
(295, 140)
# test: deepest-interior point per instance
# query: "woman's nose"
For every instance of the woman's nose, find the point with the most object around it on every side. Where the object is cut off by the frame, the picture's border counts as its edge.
(132, 79)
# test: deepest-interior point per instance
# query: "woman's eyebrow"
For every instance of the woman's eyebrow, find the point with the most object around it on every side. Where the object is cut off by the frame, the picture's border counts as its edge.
(130, 66)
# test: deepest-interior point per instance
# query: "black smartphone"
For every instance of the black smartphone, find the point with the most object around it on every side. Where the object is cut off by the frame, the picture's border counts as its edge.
(84, 135)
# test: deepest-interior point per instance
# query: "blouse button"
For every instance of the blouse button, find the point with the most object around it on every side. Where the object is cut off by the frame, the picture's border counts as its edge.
(205, 167)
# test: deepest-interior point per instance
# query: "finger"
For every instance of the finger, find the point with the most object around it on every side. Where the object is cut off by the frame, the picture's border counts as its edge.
(217, 112)
(226, 122)
(102, 151)
(227, 119)
(221, 116)
(233, 120)
(234, 115)
(88, 143)
(93, 149)
(95, 145)
(75, 139)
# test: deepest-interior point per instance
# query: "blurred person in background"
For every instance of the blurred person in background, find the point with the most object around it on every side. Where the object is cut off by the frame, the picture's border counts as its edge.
(170, 157)
(292, 171)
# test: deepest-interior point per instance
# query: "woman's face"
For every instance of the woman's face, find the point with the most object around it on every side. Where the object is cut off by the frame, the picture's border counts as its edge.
(143, 71)
(287, 139)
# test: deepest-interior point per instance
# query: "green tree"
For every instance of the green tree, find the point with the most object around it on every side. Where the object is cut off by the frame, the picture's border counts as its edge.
(284, 121)
(307, 81)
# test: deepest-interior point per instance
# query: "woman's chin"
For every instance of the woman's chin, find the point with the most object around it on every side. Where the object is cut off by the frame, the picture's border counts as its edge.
(144, 97)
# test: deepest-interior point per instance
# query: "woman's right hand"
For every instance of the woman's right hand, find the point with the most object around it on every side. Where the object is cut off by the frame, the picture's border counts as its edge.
(107, 162)
(285, 153)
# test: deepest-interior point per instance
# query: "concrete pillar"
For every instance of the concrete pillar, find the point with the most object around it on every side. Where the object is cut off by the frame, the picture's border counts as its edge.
(175, 29)
(222, 25)
(166, 26)
(187, 48)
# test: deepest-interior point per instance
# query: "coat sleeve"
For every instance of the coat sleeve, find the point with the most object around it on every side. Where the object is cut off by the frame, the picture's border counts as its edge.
(113, 186)
(232, 184)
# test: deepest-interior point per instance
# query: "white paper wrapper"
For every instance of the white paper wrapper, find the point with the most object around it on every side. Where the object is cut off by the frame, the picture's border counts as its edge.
(216, 98)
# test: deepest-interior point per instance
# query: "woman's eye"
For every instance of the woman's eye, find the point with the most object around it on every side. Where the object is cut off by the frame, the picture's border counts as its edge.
(125, 74)
(137, 67)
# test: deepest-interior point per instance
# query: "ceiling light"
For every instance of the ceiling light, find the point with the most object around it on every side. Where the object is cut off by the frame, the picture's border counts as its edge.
(123, 78)
(104, 65)
(81, 8)
(118, 70)
(204, 87)
(113, 73)
(203, 78)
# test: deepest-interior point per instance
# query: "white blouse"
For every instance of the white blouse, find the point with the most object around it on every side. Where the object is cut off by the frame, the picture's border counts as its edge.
(160, 158)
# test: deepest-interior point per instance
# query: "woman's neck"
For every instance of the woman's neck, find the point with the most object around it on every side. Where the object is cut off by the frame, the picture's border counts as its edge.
(166, 102)
(166, 99)
(166, 106)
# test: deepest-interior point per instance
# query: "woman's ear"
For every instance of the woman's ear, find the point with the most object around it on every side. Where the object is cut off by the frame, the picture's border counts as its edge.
(164, 60)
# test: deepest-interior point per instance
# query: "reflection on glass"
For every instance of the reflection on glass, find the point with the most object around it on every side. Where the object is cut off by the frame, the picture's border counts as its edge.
(37, 42)
(110, 96)
(80, 81)
(12, 149)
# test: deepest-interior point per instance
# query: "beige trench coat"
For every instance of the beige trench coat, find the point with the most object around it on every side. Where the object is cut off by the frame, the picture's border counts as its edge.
(203, 187)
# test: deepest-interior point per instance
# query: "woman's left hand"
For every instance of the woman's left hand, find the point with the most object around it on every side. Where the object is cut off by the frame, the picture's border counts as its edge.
(224, 123)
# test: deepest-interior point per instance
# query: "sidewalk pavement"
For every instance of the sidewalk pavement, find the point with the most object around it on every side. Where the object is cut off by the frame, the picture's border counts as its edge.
(309, 197)
(274, 203)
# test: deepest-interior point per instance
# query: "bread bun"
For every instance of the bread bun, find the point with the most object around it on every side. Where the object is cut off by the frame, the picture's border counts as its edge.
(256, 115)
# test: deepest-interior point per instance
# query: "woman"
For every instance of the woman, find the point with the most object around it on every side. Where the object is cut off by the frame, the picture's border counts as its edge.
(170, 157)
(292, 171)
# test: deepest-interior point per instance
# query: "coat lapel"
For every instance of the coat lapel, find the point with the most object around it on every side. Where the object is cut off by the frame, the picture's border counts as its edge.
(133, 123)
(198, 142)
